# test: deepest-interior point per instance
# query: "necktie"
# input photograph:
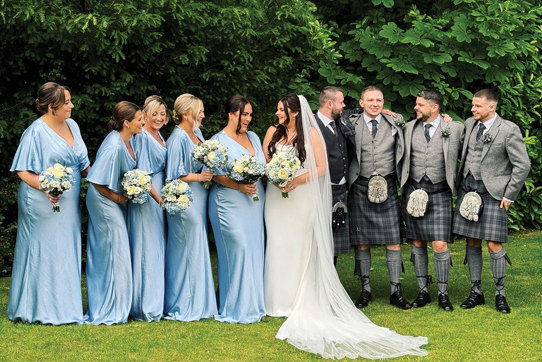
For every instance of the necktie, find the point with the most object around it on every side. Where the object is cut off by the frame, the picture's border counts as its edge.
(374, 129)
(426, 132)
(480, 131)
(333, 127)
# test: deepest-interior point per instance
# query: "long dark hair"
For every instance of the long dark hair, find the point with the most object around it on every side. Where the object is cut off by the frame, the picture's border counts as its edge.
(236, 103)
(290, 101)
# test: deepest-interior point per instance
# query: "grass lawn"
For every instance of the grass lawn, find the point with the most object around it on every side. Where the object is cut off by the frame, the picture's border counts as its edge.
(479, 334)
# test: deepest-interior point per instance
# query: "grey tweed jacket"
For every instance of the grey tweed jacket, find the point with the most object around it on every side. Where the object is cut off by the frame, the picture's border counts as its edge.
(451, 147)
(505, 163)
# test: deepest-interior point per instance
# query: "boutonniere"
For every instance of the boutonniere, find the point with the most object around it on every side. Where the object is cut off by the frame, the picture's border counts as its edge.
(486, 138)
(400, 123)
(445, 132)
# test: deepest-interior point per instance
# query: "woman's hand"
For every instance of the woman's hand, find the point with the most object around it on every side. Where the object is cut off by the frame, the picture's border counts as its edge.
(247, 189)
(121, 199)
(290, 186)
(53, 199)
(206, 175)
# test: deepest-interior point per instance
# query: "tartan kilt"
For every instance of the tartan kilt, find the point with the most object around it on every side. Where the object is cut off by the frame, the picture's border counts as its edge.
(493, 223)
(341, 236)
(436, 224)
(374, 224)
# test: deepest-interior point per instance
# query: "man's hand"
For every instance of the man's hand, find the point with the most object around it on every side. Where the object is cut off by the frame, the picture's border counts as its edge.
(506, 204)
(446, 117)
(387, 112)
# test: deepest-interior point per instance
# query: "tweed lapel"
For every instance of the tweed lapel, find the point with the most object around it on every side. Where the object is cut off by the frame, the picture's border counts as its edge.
(359, 126)
(468, 131)
(445, 141)
(409, 130)
(493, 132)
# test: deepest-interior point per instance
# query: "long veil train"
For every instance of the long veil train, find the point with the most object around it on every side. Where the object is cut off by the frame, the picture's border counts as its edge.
(324, 320)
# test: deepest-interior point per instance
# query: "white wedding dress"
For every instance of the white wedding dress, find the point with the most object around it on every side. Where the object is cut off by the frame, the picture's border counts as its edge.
(300, 281)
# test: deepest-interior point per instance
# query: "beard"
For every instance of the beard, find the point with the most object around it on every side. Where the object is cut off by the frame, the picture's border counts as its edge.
(336, 114)
(424, 117)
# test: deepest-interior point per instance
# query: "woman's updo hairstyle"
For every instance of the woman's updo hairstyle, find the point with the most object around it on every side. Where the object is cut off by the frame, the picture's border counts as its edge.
(236, 103)
(123, 111)
(52, 94)
(184, 104)
(152, 103)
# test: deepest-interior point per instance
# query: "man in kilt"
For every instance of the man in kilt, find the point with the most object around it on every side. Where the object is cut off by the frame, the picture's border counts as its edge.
(378, 152)
(432, 148)
(336, 133)
(494, 166)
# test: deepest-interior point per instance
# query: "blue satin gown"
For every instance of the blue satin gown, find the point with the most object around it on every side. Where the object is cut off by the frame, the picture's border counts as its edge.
(109, 270)
(190, 290)
(46, 276)
(238, 228)
(147, 233)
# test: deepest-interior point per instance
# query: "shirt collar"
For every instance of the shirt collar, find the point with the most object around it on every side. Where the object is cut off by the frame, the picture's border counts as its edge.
(489, 123)
(326, 121)
(368, 120)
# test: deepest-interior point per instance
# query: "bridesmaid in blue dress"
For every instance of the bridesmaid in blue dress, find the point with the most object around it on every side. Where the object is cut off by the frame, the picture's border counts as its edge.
(46, 276)
(190, 290)
(237, 223)
(109, 274)
(146, 222)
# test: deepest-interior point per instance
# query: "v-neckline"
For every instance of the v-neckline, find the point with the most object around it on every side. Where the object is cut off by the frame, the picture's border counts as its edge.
(72, 147)
(249, 140)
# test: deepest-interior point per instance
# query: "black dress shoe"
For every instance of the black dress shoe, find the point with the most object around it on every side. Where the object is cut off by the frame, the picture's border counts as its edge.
(473, 300)
(444, 302)
(399, 301)
(500, 304)
(421, 300)
(364, 299)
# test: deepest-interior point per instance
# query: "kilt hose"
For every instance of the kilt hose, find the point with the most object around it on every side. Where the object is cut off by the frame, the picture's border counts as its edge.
(341, 235)
(374, 224)
(492, 224)
(436, 224)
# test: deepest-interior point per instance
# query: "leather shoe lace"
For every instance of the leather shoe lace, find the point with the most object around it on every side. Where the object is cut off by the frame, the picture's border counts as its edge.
(500, 304)
(364, 299)
(421, 300)
(399, 301)
(444, 302)
(473, 300)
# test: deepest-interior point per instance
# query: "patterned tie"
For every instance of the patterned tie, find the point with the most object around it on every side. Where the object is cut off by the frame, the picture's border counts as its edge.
(480, 131)
(375, 127)
(334, 127)
(426, 132)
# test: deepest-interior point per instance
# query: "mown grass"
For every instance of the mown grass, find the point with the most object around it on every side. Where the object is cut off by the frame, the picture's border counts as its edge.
(479, 334)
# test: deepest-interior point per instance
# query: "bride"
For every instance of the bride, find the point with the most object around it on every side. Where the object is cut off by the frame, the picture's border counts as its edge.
(300, 281)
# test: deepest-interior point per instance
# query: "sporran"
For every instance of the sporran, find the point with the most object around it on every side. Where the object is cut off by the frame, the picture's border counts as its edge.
(418, 202)
(377, 189)
(471, 206)
(339, 215)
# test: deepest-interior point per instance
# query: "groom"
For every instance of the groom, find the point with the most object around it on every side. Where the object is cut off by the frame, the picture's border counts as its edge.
(373, 202)
(337, 134)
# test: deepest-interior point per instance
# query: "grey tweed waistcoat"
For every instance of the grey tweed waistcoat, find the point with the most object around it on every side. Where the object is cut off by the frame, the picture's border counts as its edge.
(427, 158)
(377, 154)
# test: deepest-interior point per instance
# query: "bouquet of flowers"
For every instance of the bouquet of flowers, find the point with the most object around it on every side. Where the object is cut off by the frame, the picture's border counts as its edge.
(282, 168)
(177, 196)
(136, 185)
(247, 170)
(213, 155)
(56, 180)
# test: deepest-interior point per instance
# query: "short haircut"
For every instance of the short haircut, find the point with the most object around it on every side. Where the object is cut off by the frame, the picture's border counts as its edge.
(369, 89)
(329, 93)
(488, 94)
(432, 95)
(152, 103)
